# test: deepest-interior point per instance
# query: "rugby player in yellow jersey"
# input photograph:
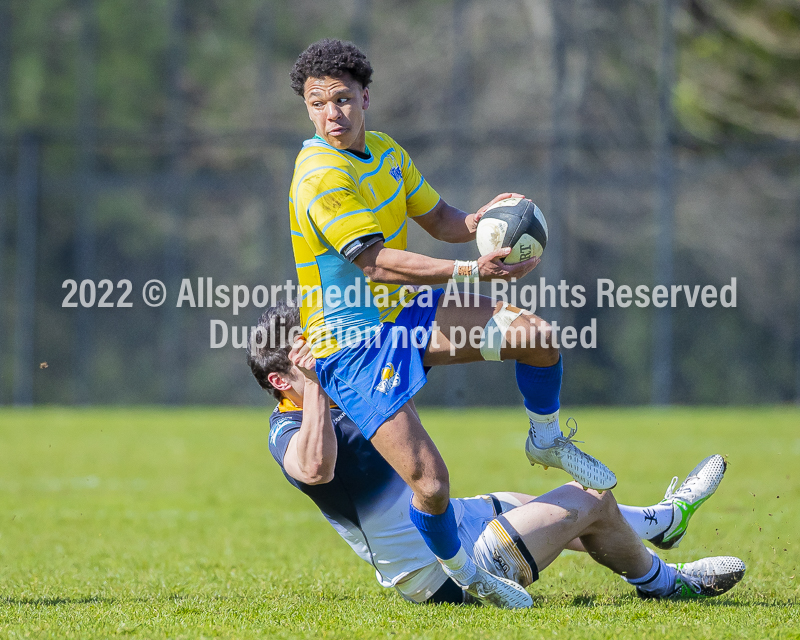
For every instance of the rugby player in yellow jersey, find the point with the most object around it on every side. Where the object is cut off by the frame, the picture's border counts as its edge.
(373, 335)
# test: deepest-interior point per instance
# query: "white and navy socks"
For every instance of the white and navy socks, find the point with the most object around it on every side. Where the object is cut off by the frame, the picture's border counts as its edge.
(648, 522)
(659, 581)
(460, 568)
(440, 533)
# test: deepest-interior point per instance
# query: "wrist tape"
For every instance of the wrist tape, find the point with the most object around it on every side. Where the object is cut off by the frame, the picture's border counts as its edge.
(465, 270)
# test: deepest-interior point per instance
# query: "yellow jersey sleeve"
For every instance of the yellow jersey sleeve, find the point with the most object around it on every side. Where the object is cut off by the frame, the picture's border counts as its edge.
(329, 198)
(421, 197)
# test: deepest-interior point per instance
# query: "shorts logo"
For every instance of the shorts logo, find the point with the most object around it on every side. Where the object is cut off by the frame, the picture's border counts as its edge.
(500, 562)
(389, 379)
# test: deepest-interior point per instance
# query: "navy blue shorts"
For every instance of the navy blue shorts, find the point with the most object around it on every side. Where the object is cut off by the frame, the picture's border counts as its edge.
(372, 380)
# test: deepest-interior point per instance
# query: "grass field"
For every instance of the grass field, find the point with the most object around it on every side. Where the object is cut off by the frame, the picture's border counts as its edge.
(177, 523)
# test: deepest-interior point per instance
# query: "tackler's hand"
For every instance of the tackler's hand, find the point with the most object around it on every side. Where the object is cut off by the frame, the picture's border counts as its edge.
(300, 355)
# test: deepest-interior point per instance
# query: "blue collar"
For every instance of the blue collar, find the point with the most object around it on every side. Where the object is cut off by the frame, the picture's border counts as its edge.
(365, 157)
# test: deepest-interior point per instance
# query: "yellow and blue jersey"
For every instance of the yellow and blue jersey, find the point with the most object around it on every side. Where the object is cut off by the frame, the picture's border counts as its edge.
(338, 197)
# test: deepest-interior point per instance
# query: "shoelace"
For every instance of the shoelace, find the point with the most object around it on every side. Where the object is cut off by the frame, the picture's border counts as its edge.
(671, 488)
(695, 583)
(564, 440)
(687, 488)
(671, 493)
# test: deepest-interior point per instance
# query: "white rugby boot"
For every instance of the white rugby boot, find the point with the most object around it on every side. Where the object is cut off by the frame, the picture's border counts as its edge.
(547, 446)
(704, 578)
(698, 487)
(499, 592)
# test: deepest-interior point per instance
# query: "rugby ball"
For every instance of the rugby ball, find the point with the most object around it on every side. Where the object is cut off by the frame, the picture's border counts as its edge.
(514, 222)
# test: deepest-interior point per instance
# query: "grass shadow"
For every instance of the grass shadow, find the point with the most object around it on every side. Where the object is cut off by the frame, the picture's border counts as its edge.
(738, 604)
(55, 601)
(585, 601)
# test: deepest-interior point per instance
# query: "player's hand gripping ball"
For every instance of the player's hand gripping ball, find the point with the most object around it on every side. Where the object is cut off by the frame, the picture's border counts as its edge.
(514, 222)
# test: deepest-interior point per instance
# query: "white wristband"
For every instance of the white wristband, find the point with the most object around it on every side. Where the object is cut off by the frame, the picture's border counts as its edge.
(465, 271)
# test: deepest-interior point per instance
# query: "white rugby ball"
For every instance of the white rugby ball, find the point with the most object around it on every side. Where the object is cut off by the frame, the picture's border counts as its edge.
(514, 222)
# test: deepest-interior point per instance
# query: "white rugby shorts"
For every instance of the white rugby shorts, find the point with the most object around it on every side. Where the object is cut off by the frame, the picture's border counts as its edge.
(494, 544)
(488, 538)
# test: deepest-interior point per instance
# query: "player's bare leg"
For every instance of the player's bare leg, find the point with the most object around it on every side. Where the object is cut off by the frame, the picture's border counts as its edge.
(407, 447)
(568, 515)
(404, 443)
(663, 523)
(508, 333)
(550, 522)
(531, 339)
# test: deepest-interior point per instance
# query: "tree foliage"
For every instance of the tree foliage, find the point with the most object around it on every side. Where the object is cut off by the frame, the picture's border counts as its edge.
(740, 68)
(193, 130)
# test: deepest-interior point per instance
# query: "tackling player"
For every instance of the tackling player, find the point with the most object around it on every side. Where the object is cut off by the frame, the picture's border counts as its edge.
(510, 535)
(352, 196)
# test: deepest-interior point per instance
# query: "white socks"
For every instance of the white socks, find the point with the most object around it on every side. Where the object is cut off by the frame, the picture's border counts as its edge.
(544, 429)
(659, 581)
(648, 522)
(460, 568)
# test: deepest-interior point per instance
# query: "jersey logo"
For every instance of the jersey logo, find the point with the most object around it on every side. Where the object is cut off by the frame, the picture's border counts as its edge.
(395, 170)
(276, 430)
(389, 379)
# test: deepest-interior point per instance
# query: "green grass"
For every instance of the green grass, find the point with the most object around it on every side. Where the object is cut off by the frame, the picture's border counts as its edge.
(160, 523)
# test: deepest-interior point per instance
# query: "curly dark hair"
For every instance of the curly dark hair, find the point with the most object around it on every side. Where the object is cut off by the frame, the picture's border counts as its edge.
(270, 342)
(330, 58)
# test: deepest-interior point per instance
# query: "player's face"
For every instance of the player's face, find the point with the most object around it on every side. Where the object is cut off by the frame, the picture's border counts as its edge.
(336, 106)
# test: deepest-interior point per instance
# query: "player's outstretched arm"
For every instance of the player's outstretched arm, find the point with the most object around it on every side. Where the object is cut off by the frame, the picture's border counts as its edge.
(311, 455)
(392, 266)
(445, 222)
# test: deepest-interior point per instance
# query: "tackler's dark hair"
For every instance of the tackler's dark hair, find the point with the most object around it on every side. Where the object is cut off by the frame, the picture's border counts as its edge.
(270, 342)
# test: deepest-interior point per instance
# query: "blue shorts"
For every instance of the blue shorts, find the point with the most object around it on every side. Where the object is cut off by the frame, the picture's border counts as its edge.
(372, 380)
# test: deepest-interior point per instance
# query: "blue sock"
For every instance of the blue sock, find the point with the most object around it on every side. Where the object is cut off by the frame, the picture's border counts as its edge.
(439, 532)
(540, 387)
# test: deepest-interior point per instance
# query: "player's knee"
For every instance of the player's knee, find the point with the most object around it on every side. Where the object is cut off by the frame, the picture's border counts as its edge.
(542, 338)
(605, 505)
(433, 492)
(530, 340)
(594, 502)
(607, 501)
(542, 350)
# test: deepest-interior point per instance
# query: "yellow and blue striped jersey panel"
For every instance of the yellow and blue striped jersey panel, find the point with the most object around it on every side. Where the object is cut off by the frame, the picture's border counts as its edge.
(337, 197)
